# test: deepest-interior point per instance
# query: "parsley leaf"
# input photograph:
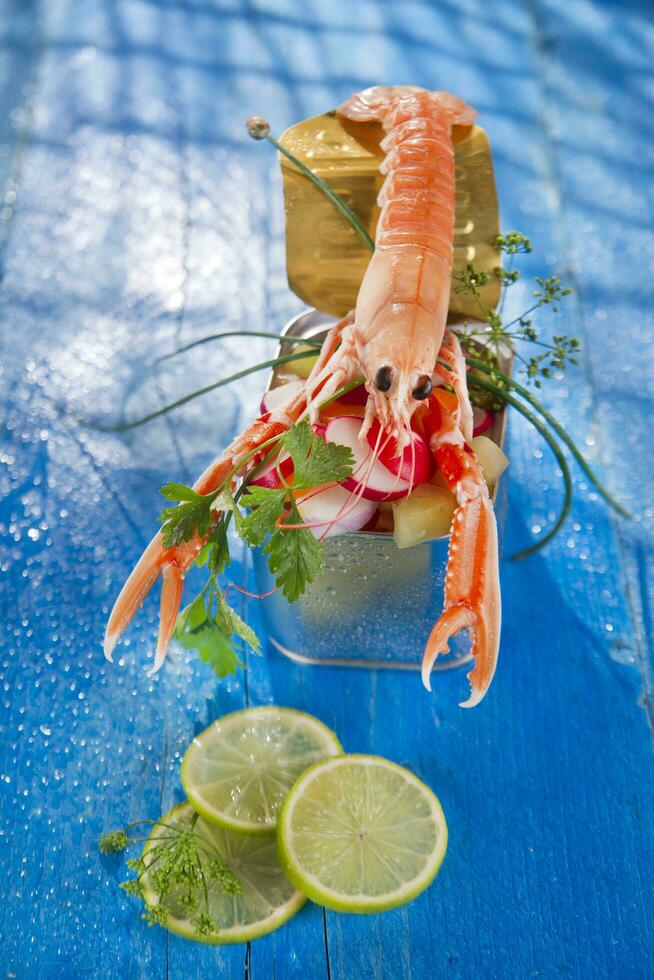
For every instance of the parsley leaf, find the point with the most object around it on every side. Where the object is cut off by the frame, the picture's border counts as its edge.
(224, 502)
(314, 460)
(178, 491)
(191, 515)
(219, 557)
(214, 648)
(212, 634)
(192, 616)
(267, 507)
(296, 558)
(232, 624)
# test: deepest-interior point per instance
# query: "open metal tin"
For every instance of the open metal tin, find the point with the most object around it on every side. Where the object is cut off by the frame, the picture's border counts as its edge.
(375, 604)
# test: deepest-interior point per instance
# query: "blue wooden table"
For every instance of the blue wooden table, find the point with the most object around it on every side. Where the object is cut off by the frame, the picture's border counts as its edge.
(136, 215)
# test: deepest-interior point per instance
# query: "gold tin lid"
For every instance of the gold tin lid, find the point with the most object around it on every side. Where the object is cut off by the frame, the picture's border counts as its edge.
(326, 259)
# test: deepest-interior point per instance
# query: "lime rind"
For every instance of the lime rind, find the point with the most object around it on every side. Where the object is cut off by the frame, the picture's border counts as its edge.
(239, 783)
(312, 886)
(238, 933)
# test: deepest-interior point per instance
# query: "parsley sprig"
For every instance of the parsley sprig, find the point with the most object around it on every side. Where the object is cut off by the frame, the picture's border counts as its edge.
(209, 625)
(215, 631)
(180, 865)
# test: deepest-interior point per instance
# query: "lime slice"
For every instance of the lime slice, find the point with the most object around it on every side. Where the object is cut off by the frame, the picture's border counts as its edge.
(237, 773)
(266, 901)
(360, 834)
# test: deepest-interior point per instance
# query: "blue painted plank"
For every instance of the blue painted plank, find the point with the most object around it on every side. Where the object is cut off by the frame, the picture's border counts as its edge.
(20, 52)
(145, 219)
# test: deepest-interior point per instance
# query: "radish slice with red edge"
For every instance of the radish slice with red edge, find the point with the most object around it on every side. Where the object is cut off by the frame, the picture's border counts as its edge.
(269, 476)
(338, 505)
(358, 396)
(482, 420)
(370, 477)
(418, 456)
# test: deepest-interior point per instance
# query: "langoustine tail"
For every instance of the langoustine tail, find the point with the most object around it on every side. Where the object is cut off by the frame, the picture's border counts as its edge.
(376, 101)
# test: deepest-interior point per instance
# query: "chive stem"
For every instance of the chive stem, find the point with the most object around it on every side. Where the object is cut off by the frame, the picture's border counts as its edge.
(323, 186)
(560, 458)
(556, 426)
(238, 333)
(273, 362)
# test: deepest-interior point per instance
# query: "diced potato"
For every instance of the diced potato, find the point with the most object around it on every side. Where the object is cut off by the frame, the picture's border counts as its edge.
(492, 460)
(282, 376)
(385, 520)
(424, 515)
(303, 367)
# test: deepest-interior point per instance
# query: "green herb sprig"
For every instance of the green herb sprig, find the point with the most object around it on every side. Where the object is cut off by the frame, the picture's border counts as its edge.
(182, 864)
(495, 338)
(208, 625)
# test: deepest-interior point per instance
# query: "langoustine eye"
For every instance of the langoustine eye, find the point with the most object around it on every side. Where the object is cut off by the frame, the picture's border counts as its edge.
(384, 378)
(423, 388)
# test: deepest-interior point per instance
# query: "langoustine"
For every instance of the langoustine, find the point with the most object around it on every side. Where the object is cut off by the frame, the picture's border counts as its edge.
(393, 338)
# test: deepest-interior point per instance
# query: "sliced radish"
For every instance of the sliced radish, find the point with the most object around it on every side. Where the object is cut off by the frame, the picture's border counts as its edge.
(482, 420)
(277, 397)
(269, 476)
(372, 477)
(416, 455)
(358, 396)
(337, 505)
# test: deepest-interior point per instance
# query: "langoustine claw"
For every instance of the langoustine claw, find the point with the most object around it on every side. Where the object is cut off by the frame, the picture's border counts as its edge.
(472, 586)
(472, 596)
